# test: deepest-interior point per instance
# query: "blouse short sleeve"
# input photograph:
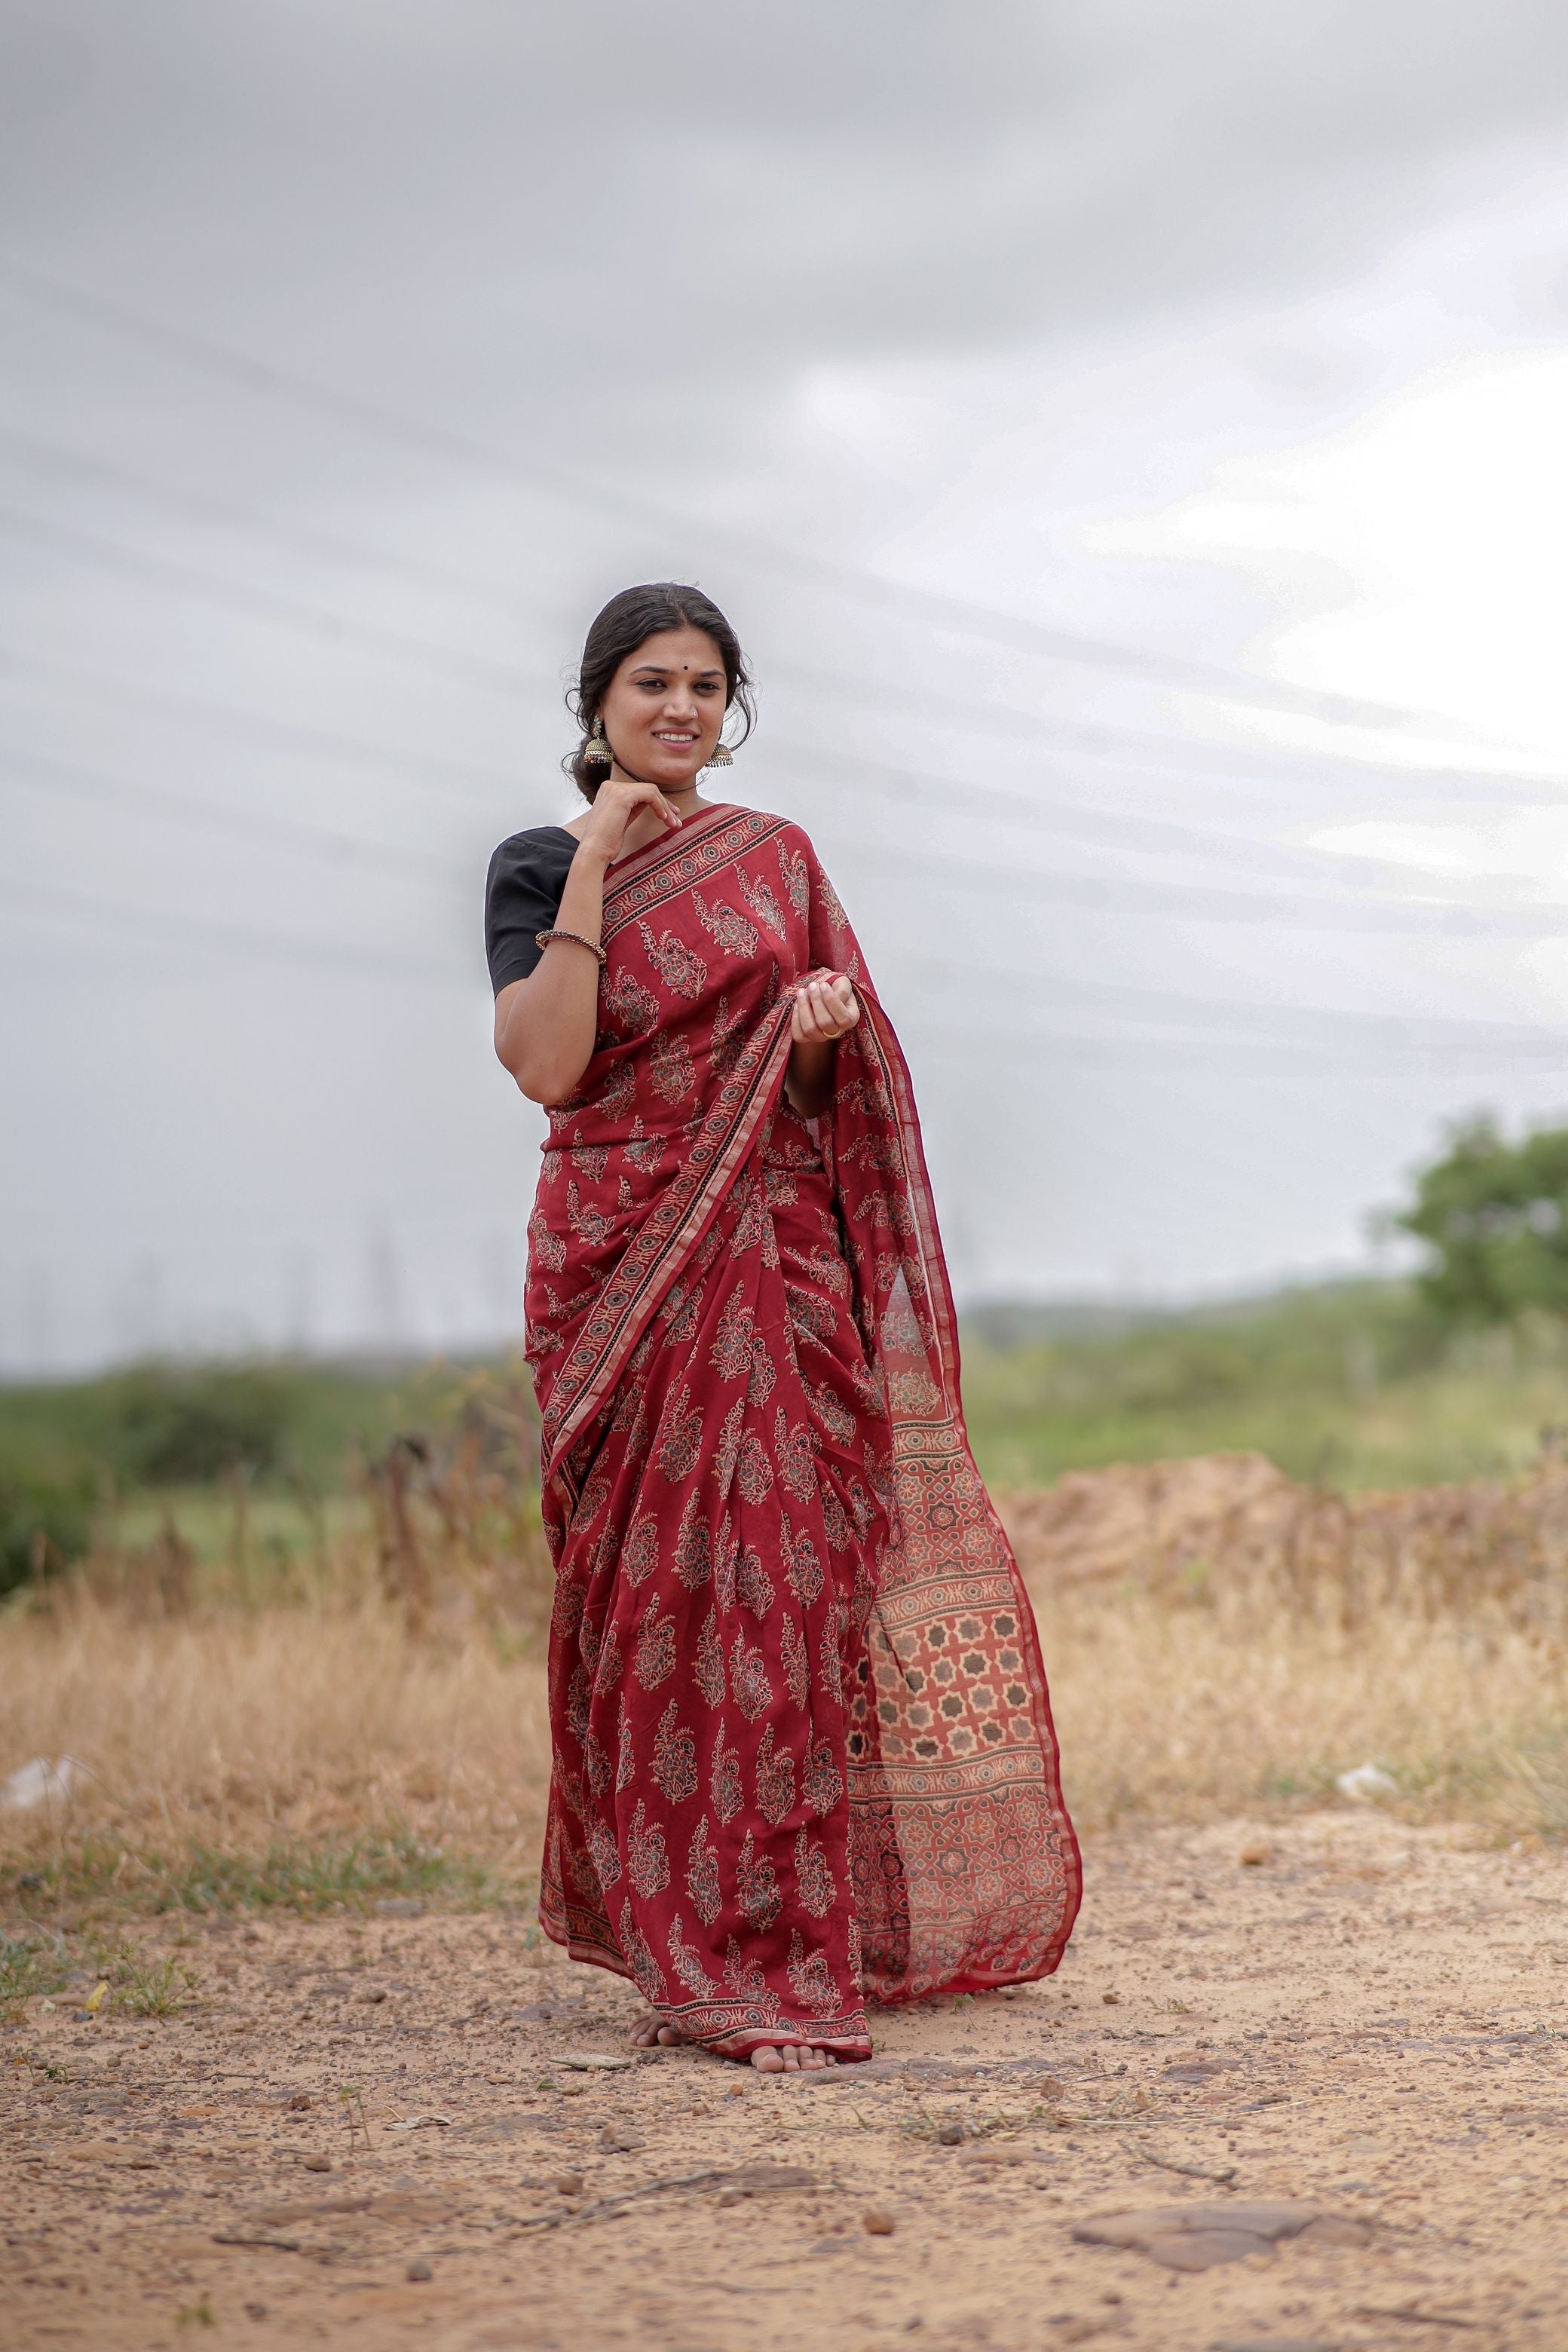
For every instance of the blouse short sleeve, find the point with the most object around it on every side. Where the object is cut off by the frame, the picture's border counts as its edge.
(522, 896)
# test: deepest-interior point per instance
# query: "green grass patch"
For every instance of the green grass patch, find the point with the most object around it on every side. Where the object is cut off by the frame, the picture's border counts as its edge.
(27, 1967)
(139, 1983)
(288, 1875)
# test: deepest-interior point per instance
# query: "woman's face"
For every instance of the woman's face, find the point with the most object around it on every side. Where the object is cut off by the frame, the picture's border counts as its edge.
(663, 709)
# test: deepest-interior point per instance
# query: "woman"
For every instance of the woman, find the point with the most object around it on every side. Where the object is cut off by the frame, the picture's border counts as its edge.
(803, 1750)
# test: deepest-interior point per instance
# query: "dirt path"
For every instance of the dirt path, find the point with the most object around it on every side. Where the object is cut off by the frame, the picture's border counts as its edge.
(1368, 2024)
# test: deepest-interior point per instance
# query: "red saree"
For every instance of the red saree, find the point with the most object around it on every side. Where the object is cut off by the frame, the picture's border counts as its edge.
(803, 1746)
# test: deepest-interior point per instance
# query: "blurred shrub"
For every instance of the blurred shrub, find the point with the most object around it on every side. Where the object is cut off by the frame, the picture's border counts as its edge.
(46, 1510)
(172, 1426)
(160, 1425)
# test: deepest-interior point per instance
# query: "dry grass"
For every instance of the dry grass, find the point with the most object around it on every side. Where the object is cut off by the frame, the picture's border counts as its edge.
(395, 1740)
(1221, 1637)
(278, 1736)
(1178, 1712)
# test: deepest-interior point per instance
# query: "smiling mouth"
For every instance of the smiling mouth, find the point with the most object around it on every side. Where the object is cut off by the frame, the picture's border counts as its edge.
(661, 737)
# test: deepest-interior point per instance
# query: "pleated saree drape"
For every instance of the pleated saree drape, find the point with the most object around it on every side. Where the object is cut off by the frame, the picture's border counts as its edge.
(802, 1746)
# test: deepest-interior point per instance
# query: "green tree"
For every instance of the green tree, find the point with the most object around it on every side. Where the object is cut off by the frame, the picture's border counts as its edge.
(1494, 1215)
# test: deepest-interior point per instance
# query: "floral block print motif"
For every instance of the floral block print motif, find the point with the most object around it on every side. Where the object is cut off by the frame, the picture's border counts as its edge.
(803, 1746)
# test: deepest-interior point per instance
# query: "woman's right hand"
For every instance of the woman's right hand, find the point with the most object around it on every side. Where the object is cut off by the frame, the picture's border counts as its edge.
(617, 804)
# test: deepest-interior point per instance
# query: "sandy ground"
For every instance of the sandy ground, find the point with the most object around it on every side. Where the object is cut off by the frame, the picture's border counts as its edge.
(1363, 2019)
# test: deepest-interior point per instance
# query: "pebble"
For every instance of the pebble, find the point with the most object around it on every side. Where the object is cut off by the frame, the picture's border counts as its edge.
(875, 2224)
(1253, 1858)
(316, 2163)
(300, 2102)
(418, 2272)
(570, 2184)
(617, 2139)
(949, 2135)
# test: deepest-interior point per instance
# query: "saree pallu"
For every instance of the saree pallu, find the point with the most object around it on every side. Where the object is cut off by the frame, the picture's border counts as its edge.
(802, 1745)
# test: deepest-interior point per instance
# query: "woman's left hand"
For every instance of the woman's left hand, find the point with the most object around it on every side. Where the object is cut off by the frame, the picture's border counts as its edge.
(824, 1009)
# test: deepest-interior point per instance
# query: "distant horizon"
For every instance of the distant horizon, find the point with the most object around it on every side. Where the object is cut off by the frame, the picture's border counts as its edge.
(1063, 1308)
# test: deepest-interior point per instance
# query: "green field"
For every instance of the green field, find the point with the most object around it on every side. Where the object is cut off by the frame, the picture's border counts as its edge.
(259, 1466)
(263, 1466)
(1352, 1385)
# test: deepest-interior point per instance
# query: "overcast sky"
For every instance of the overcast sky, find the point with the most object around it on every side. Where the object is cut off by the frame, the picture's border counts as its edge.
(1127, 436)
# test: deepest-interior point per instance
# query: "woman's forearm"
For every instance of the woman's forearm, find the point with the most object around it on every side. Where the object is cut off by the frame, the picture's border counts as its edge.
(809, 1079)
(547, 1024)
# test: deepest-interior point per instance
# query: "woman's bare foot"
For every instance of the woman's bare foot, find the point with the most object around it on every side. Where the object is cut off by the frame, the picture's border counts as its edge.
(791, 2058)
(770, 2058)
(653, 2033)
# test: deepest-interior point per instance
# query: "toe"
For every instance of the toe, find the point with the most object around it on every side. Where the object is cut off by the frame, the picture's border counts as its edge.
(767, 2059)
(653, 2033)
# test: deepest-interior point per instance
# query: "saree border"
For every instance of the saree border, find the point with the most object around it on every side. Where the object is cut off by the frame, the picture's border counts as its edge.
(632, 861)
(677, 1222)
(748, 2027)
(665, 869)
(894, 1072)
(668, 1235)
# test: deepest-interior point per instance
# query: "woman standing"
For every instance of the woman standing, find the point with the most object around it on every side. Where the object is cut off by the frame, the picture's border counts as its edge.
(803, 1747)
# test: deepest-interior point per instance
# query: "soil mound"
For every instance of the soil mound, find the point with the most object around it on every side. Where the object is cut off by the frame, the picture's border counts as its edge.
(1149, 1520)
(1184, 1528)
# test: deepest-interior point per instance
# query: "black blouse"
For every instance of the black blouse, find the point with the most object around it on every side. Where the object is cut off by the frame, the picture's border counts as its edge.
(522, 896)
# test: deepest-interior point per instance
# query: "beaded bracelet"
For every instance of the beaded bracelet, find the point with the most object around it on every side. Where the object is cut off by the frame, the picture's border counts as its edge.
(542, 939)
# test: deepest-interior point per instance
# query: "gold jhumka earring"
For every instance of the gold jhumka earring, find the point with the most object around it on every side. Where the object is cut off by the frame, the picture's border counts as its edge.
(598, 752)
(720, 756)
